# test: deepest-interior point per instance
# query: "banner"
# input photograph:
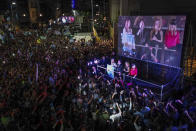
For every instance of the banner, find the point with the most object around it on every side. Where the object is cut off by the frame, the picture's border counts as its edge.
(79, 36)
(96, 34)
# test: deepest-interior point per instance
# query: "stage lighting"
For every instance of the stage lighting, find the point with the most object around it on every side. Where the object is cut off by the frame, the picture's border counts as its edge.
(13, 3)
(96, 61)
(90, 63)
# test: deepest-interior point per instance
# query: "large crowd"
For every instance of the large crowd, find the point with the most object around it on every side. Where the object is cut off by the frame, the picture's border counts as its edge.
(46, 84)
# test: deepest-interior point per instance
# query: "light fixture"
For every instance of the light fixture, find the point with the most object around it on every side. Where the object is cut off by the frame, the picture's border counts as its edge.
(40, 15)
(13, 3)
(97, 5)
(24, 15)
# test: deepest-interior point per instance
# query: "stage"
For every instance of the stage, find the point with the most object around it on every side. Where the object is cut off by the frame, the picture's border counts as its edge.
(160, 89)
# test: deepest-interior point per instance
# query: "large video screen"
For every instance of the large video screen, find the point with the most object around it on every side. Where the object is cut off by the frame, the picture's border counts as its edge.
(157, 39)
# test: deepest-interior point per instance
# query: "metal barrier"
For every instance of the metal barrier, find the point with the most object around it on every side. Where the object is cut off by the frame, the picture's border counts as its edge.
(161, 87)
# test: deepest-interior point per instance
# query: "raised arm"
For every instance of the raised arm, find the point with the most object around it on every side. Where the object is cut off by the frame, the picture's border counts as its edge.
(170, 104)
(130, 104)
(118, 108)
(187, 114)
(114, 94)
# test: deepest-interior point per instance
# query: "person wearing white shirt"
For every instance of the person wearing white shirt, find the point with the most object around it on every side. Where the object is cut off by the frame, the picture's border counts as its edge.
(113, 117)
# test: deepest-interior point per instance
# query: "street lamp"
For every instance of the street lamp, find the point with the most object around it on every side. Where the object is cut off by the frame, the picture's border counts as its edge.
(92, 14)
(13, 3)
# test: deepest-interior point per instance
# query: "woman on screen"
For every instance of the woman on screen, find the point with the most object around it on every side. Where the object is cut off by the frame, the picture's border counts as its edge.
(172, 36)
(172, 39)
(156, 41)
(128, 39)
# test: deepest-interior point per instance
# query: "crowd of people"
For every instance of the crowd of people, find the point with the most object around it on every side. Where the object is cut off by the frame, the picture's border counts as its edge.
(46, 84)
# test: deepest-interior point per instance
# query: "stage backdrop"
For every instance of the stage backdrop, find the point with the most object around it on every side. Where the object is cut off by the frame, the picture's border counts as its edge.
(157, 39)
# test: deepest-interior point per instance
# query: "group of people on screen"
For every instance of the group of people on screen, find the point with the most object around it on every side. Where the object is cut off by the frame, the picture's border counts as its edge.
(152, 42)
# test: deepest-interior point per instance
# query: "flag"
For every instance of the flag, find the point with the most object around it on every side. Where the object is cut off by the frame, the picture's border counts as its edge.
(96, 35)
(36, 72)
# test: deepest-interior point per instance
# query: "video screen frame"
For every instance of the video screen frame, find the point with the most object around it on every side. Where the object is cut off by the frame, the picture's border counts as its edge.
(164, 26)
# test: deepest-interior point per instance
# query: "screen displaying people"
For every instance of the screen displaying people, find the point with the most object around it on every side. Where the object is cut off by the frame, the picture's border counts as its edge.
(158, 39)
